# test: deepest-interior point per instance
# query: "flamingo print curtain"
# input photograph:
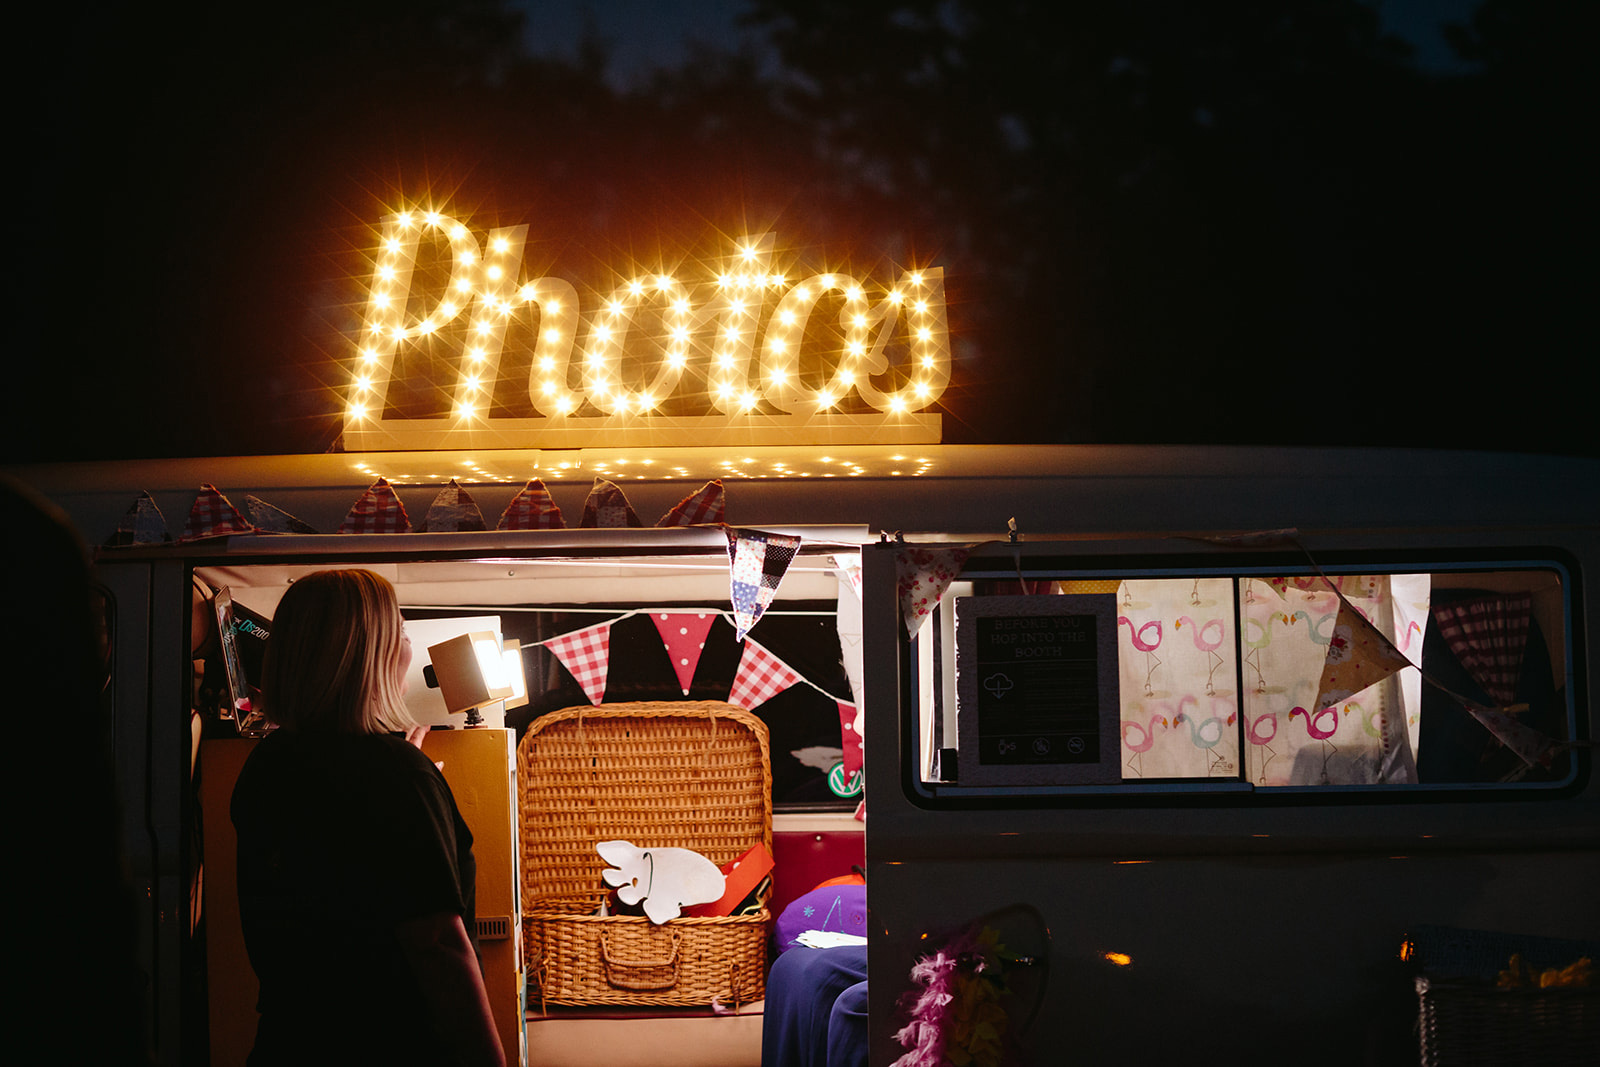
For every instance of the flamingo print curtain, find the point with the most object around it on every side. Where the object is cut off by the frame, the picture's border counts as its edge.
(1177, 653)
(1186, 645)
(1367, 738)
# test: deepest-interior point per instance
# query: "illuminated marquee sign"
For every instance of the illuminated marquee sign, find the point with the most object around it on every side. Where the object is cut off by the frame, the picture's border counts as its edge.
(741, 330)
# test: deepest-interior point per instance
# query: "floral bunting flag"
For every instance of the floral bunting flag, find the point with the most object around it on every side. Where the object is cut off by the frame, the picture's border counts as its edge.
(268, 519)
(586, 654)
(757, 562)
(453, 510)
(213, 516)
(607, 507)
(924, 574)
(849, 568)
(141, 524)
(684, 635)
(379, 511)
(1531, 746)
(760, 677)
(532, 509)
(1358, 656)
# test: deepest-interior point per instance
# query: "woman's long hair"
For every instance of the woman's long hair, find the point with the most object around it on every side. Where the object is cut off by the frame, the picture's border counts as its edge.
(330, 662)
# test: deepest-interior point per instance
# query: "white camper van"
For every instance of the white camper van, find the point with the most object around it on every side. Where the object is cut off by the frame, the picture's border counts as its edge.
(1203, 752)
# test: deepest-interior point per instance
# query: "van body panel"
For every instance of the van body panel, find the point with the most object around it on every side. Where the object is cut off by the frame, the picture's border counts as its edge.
(1258, 926)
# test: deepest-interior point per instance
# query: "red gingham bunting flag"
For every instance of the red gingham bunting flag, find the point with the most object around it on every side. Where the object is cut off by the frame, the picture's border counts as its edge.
(607, 507)
(704, 506)
(586, 654)
(924, 574)
(452, 511)
(760, 677)
(268, 519)
(757, 562)
(1488, 635)
(684, 635)
(141, 524)
(378, 511)
(212, 516)
(1358, 656)
(532, 509)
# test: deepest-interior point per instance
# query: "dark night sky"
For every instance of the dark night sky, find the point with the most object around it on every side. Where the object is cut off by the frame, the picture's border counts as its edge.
(1149, 211)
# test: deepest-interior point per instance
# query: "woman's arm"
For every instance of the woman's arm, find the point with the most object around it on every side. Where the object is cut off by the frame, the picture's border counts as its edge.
(441, 957)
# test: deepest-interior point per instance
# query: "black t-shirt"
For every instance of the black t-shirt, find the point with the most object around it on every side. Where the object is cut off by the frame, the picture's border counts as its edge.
(342, 837)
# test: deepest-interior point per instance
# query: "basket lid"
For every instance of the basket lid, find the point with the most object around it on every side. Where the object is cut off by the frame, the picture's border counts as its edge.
(690, 774)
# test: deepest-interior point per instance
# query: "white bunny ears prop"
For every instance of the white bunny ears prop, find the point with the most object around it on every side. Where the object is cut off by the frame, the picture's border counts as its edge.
(666, 879)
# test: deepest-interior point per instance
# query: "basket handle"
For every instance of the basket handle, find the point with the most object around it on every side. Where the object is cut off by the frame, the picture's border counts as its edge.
(640, 974)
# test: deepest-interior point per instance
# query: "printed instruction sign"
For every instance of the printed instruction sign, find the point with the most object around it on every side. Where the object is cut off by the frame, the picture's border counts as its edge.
(1036, 690)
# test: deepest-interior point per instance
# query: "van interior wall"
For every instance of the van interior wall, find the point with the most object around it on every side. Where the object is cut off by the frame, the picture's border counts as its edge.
(536, 600)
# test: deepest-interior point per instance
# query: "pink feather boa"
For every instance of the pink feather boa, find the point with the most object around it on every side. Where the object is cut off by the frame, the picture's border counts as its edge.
(954, 1019)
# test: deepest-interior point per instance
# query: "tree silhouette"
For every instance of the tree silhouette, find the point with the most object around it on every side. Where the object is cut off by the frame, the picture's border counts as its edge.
(1159, 221)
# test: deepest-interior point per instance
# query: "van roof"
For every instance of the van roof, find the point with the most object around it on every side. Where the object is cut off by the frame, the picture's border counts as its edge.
(956, 489)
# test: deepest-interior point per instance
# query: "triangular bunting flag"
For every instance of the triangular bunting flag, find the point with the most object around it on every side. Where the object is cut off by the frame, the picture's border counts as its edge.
(378, 511)
(586, 654)
(141, 524)
(849, 568)
(760, 677)
(452, 511)
(1531, 746)
(268, 519)
(757, 562)
(704, 506)
(1358, 656)
(532, 509)
(924, 574)
(684, 635)
(850, 741)
(607, 507)
(212, 516)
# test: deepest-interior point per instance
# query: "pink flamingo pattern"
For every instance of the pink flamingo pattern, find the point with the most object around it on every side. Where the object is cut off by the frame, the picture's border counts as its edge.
(1208, 645)
(1316, 726)
(1404, 644)
(1138, 739)
(1138, 635)
(1261, 731)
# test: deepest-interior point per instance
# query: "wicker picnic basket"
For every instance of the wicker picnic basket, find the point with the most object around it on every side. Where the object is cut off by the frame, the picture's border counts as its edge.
(1464, 1017)
(695, 775)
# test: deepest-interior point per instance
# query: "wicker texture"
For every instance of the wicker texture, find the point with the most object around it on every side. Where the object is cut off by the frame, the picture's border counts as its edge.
(1465, 1022)
(693, 775)
(1465, 1018)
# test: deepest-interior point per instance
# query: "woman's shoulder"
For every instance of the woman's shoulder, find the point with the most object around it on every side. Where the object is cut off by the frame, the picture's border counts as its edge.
(360, 753)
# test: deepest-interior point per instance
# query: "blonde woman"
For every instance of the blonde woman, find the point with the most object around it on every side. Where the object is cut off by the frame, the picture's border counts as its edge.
(356, 876)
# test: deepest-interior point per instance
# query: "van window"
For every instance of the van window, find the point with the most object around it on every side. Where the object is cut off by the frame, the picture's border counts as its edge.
(1273, 681)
